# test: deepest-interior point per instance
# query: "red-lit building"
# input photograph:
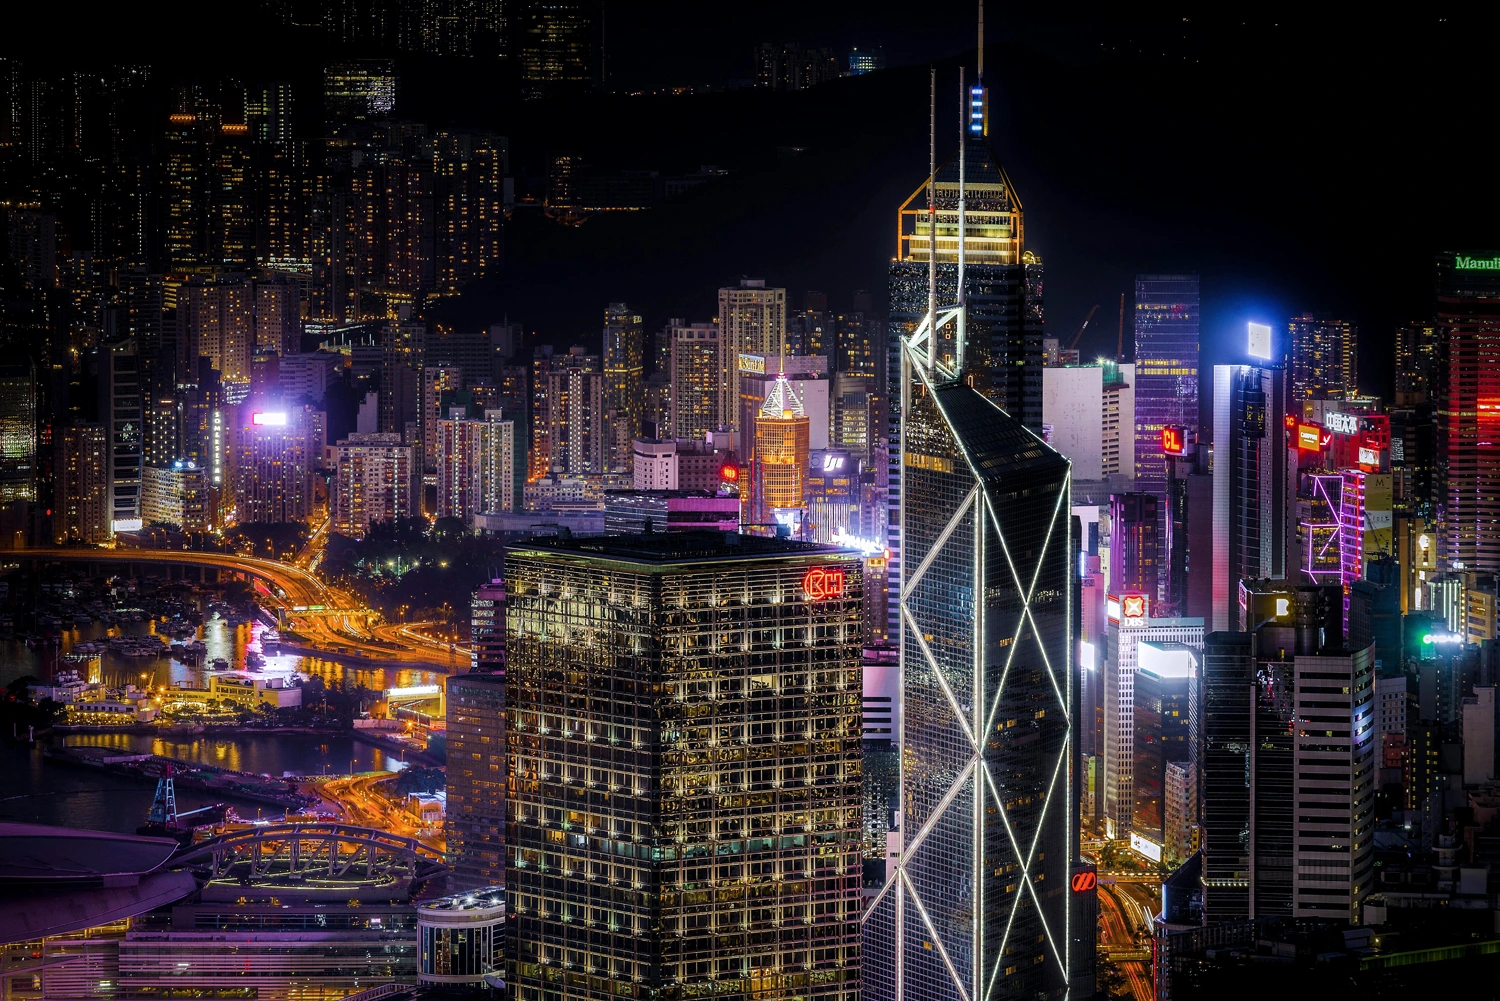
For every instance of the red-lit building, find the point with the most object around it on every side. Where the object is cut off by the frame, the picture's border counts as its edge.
(1468, 406)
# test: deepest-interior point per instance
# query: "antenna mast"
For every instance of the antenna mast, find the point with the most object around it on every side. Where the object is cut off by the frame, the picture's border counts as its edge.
(932, 215)
(963, 141)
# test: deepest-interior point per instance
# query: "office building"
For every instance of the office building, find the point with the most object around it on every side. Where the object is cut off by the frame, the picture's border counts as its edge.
(1289, 761)
(624, 371)
(176, 494)
(81, 485)
(462, 939)
(1002, 295)
(1166, 321)
(698, 360)
(1166, 706)
(372, 481)
(1254, 483)
(1324, 361)
(752, 321)
(120, 398)
(1166, 369)
(978, 484)
(702, 464)
(1133, 547)
(17, 433)
(1090, 413)
(604, 768)
(307, 377)
(1189, 548)
(1468, 342)
(487, 628)
(808, 378)
(1130, 625)
(779, 466)
(475, 822)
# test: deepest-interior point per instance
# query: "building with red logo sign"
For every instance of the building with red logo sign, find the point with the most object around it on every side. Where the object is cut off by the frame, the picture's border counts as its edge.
(684, 705)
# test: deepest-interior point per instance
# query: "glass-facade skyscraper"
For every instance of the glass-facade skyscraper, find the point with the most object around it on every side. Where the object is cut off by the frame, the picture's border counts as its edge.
(977, 901)
(1166, 375)
(684, 738)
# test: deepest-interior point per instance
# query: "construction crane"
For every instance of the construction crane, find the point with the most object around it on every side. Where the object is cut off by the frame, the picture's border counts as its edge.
(164, 820)
(1079, 333)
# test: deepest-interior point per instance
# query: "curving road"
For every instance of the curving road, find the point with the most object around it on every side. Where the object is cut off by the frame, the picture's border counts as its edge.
(293, 589)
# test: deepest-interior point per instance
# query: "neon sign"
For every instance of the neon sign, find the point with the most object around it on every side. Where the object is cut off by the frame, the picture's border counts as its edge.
(1368, 456)
(729, 473)
(1463, 262)
(822, 583)
(1083, 882)
(1342, 423)
(275, 420)
(1309, 437)
(1133, 606)
(1173, 439)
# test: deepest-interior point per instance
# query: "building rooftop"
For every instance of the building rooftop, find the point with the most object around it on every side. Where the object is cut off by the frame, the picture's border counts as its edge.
(680, 547)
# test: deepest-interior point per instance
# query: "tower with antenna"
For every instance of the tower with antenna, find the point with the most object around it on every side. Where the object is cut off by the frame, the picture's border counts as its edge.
(974, 904)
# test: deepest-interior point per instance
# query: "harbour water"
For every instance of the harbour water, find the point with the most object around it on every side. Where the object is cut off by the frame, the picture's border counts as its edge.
(222, 639)
(41, 791)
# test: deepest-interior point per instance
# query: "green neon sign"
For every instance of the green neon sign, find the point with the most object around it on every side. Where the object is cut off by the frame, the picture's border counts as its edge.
(1463, 262)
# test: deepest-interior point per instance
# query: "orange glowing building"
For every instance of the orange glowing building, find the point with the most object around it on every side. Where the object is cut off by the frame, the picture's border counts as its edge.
(779, 463)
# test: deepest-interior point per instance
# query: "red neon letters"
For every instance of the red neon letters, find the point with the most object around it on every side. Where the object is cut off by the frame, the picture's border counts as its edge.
(821, 583)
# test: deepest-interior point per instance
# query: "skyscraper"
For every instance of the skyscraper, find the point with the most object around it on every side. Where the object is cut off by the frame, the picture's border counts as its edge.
(120, 398)
(1255, 484)
(1129, 625)
(700, 394)
(985, 739)
(1468, 378)
(475, 821)
(1166, 374)
(779, 466)
(1133, 546)
(624, 366)
(686, 795)
(752, 321)
(1290, 764)
(273, 451)
(1324, 361)
(1166, 704)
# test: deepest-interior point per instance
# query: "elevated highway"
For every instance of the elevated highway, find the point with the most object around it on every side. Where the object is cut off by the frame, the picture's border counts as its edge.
(324, 617)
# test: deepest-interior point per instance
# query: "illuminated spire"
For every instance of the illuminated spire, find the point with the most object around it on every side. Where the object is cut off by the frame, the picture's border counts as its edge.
(782, 400)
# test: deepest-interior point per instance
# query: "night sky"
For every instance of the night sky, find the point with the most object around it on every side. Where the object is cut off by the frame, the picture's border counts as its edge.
(1310, 164)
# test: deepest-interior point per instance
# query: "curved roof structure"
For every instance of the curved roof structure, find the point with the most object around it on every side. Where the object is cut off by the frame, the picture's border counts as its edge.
(55, 880)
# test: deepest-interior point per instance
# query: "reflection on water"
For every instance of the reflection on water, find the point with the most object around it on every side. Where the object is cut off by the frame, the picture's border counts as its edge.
(222, 640)
(266, 754)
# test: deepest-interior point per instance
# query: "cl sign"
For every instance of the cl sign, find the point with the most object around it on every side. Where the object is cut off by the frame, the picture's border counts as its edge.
(820, 583)
(1083, 882)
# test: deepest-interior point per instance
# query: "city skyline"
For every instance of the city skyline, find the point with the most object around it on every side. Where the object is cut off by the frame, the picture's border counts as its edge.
(477, 515)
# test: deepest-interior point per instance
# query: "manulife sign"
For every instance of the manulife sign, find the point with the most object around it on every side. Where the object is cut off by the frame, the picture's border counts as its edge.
(1463, 262)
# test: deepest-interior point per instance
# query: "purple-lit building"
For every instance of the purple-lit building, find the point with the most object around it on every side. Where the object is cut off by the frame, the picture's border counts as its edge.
(1133, 522)
(630, 511)
(1166, 375)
